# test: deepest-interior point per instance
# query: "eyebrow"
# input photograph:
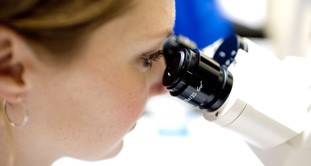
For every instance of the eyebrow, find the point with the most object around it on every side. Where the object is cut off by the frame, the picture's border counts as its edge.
(170, 32)
(166, 33)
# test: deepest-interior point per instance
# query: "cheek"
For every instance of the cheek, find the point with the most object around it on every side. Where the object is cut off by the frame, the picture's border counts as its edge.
(122, 100)
(87, 114)
(126, 102)
(105, 110)
(125, 94)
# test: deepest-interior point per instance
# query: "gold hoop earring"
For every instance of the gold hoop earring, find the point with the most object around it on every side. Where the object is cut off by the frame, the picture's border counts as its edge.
(25, 120)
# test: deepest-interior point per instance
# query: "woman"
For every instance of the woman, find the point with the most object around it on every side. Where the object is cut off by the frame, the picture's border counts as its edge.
(81, 71)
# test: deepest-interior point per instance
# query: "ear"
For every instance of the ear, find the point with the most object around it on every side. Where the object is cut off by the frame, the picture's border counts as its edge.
(13, 51)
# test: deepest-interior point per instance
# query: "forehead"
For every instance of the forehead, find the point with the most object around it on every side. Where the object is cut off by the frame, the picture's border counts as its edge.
(152, 19)
(144, 24)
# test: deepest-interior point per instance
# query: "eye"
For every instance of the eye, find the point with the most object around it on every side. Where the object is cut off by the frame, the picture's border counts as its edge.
(149, 59)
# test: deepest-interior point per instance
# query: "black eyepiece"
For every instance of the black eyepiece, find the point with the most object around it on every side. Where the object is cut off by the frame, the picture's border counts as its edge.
(194, 77)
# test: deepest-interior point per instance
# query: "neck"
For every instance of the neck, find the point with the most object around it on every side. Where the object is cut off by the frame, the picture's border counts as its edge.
(25, 158)
(35, 161)
(15, 153)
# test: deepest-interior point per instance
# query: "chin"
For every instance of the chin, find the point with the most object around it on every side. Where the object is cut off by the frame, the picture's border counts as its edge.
(114, 152)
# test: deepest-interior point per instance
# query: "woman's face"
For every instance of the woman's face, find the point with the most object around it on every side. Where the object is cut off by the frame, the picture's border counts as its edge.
(85, 109)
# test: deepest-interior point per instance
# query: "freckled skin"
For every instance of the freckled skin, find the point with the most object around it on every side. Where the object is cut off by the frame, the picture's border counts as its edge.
(85, 109)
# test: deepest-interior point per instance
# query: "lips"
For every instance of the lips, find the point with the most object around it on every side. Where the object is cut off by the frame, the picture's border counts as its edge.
(133, 127)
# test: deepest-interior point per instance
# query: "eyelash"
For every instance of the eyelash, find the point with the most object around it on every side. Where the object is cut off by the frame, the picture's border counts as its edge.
(149, 59)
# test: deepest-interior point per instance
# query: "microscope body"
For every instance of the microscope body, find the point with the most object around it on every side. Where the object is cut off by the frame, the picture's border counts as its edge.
(269, 105)
(263, 99)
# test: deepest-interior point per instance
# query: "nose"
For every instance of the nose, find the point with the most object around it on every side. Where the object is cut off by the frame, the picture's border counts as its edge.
(155, 75)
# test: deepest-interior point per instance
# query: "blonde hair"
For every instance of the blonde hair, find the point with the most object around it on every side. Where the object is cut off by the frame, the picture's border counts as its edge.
(58, 26)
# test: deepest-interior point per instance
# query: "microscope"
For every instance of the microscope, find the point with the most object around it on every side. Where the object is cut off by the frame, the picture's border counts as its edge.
(244, 88)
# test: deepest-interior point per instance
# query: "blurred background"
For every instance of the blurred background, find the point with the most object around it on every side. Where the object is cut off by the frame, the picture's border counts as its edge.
(174, 133)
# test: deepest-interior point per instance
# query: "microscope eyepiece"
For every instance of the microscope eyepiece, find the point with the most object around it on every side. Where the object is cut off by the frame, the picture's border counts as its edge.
(194, 77)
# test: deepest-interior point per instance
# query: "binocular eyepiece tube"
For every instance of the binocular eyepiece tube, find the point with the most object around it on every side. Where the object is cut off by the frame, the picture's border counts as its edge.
(194, 77)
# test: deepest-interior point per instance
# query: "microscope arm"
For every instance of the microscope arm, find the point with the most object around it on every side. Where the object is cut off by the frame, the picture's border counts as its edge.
(269, 106)
(296, 151)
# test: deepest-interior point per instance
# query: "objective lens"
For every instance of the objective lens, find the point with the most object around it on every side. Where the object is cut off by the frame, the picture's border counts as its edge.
(196, 79)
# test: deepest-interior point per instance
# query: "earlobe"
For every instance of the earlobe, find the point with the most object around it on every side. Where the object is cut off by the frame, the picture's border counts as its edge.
(12, 83)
